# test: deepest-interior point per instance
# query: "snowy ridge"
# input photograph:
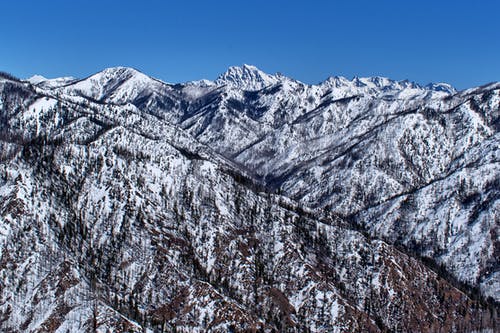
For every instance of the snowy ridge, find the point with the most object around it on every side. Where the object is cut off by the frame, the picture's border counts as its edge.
(41, 81)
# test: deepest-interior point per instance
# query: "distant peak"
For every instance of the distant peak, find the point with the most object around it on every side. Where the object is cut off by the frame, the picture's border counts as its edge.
(336, 81)
(441, 87)
(379, 81)
(120, 71)
(35, 79)
(201, 83)
(122, 74)
(244, 70)
(41, 81)
(246, 77)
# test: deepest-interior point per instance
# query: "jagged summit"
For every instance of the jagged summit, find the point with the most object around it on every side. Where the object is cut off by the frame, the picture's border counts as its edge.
(246, 77)
(336, 81)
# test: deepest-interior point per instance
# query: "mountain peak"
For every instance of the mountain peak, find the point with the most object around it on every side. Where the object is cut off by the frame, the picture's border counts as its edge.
(123, 72)
(442, 87)
(35, 79)
(246, 77)
(336, 81)
(41, 81)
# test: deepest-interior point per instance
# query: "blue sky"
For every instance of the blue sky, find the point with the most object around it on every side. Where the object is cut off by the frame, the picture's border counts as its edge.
(423, 41)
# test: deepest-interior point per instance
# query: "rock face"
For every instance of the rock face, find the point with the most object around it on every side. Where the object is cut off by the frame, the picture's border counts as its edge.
(251, 203)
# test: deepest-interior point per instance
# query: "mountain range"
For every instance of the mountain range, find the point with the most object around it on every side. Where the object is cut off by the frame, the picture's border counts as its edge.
(252, 203)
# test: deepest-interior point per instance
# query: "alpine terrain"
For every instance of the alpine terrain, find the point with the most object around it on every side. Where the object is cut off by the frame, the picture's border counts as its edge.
(252, 203)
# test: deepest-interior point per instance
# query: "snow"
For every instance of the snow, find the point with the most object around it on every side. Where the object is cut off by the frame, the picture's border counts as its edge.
(39, 107)
(334, 309)
(35, 79)
(159, 187)
(246, 77)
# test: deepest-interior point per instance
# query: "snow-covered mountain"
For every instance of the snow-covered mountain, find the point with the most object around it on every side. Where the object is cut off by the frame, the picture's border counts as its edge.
(251, 203)
(50, 83)
(246, 77)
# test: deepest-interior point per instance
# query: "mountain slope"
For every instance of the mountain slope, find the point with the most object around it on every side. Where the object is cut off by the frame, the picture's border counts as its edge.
(119, 215)
(357, 147)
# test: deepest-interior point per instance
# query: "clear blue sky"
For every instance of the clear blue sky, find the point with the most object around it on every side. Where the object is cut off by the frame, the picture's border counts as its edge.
(423, 41)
